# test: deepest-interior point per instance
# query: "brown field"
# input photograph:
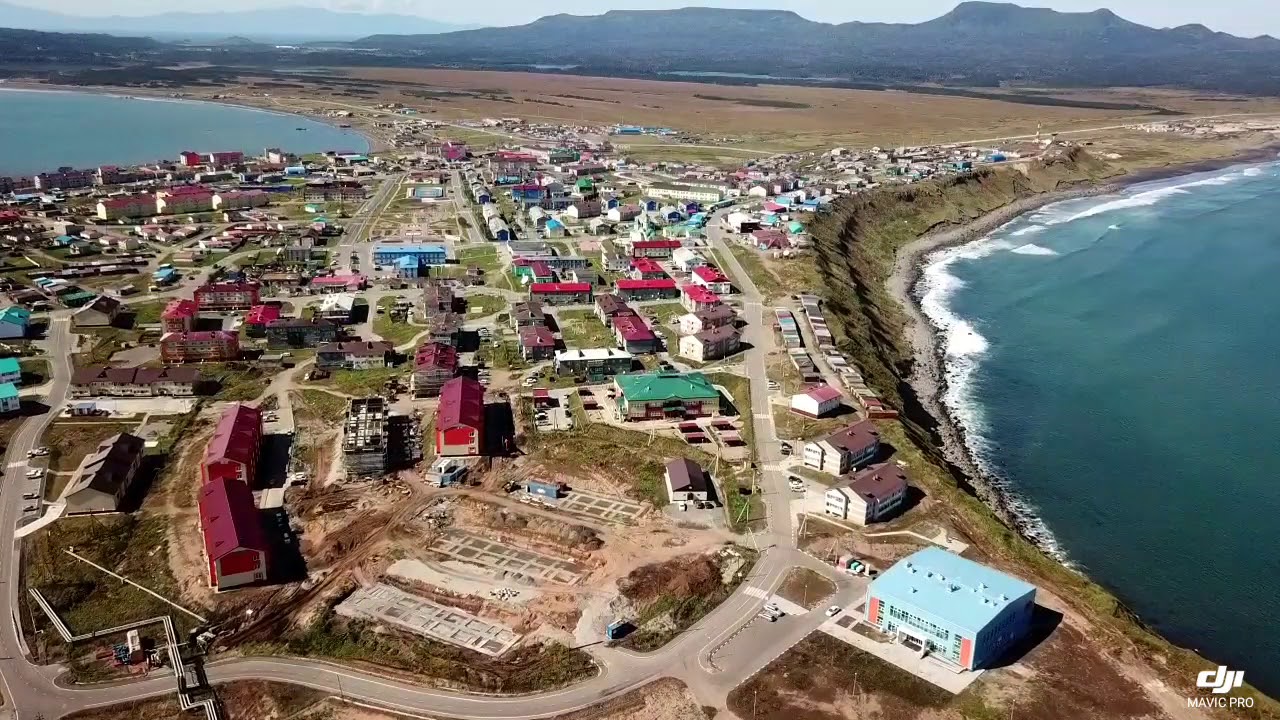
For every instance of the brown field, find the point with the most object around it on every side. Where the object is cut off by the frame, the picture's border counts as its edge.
(810, 117)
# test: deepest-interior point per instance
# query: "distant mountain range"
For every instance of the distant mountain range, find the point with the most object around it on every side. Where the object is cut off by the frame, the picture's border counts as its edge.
(276, 24)
(977, 43)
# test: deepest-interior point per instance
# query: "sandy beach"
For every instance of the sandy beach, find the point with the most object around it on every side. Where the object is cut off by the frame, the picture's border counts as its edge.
(927, 378)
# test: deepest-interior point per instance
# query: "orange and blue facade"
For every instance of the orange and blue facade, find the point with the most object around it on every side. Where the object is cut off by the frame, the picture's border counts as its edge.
(951, 608)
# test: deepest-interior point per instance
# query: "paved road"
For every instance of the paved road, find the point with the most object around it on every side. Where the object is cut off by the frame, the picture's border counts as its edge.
(713, 657)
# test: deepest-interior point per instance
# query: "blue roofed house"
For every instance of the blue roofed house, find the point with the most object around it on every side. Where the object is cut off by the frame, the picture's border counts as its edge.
(14, 322)
(951, 608)
(9, 400)
(408, 267)
(554, 229)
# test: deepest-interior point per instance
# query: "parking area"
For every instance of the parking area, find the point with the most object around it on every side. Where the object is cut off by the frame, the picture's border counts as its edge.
(846, 627)
(383, 603)
(133, 406)
(609, 509)
(516, 561)
(551, 410)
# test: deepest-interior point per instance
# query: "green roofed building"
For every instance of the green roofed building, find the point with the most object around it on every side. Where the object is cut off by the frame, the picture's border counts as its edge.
(659, 396)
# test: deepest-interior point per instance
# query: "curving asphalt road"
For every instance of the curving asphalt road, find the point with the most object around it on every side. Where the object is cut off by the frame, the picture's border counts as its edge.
(713, 657)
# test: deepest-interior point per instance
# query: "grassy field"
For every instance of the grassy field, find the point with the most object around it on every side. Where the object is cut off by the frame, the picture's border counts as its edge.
(148, 313)
(769, 118)
(236, 382)
(35, 371)
(479, 305)
(364, 383)
(582, 329)
(793, 426)
(87, 599)
(396, 332)
(70, 441)
(320, 403)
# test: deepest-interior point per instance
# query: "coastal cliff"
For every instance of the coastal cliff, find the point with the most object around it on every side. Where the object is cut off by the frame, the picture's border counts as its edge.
(869, 249)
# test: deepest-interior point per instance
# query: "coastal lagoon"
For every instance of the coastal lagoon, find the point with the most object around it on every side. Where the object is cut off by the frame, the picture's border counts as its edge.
(1114, 363)
(40, 130)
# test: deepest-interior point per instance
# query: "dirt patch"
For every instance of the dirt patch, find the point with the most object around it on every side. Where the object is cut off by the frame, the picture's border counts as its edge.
(241, 700)
(666, 699)
(669, 597)
(806, 587)
(822, 678)
(557, 534)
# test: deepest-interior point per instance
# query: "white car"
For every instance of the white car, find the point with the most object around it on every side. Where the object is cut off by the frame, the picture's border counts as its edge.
(774, 609)
(773, 385)
(833, 611)
(37, 452)
(34, 473)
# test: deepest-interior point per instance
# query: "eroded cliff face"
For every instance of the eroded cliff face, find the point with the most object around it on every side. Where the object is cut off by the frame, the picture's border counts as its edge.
(857, 244)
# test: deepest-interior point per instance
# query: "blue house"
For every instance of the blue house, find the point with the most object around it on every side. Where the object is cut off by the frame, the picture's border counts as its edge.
(425, 253)
(502, 234)
(612, 203)
(692, 207)
(408, 267)
(10, 370)
(14, 322)
(483, 197)
(164, 276)
(650, 204)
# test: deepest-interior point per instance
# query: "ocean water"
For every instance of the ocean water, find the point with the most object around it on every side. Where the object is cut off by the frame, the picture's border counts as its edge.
(41, 131)
(1115, 364)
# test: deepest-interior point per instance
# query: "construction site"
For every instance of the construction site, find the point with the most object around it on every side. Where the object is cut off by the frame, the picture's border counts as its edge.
(383, 553)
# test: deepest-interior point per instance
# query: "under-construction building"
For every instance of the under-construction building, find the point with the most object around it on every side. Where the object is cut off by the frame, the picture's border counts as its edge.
(364, 437)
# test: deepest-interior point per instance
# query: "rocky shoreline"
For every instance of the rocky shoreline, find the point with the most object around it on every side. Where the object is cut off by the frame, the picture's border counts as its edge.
(928, 378)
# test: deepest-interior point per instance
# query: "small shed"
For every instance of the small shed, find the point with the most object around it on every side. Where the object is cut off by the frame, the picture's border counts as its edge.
(686, 480)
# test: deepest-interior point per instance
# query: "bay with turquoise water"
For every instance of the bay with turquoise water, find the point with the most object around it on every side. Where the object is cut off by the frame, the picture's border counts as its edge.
(40, 131)
(1114, 363)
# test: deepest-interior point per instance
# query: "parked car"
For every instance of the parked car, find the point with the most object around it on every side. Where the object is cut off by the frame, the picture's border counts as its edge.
(833, 611)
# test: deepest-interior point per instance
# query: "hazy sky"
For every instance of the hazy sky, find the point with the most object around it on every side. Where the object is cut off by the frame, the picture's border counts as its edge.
(1241, 17)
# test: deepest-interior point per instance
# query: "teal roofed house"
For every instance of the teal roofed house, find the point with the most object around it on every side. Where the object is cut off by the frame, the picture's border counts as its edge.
(14, 322)
(9, 400)
(956, 610)
(658, 396)
(795, 227)
(10, 370)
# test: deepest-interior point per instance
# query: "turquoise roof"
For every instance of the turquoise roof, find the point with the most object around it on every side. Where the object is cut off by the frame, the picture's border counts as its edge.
(15, 314)
(952, 589)
(408, 262)
(8, 391)
(795, 227)
(10, 365)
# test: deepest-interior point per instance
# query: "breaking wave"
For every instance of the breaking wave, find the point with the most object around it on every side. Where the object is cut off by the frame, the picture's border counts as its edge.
(1033, 249)
(1029, 230)
(963, 348)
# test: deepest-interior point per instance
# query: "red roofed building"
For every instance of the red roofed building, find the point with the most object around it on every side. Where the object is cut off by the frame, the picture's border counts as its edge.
(232, 452)
(460, 418)
(818, 402)
(126, 206)
(353, 282)
(634, 335)
(696, 297)
(179, 316)
(769, 239)
(433, 365)
(190, 159)
(255, 321)
(561, 293)
(712, 279)
(202, 346)
(184, 199)
(234, 542)
(537, 343)
(629, 289)
(644, 268)
(654, 248)
(227, 296)
(9, 217)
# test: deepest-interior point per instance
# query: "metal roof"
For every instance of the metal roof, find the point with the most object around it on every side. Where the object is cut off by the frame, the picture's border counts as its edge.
(229, 519)
(461, 403)
(958, 591)
(647, 387)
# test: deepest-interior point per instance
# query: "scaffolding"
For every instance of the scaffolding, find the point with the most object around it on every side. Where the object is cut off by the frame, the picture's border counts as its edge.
(364, 437)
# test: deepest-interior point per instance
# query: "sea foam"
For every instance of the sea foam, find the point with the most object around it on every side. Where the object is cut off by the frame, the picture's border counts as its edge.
(1033, 249)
